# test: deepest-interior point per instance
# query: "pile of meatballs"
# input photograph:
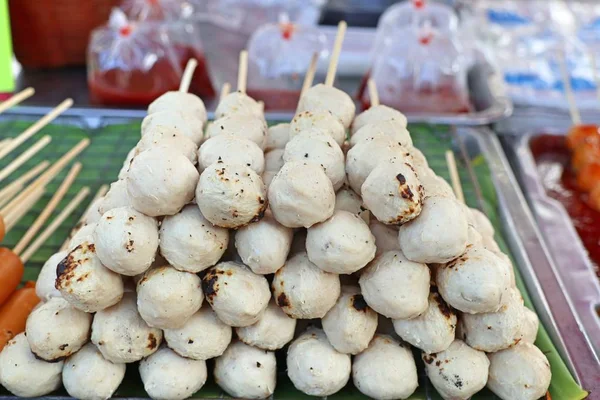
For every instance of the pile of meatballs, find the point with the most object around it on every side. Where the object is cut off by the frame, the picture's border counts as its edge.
(235, 243)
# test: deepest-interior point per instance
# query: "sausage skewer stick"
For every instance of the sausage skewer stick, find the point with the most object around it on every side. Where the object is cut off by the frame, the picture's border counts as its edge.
(43, 217)
(16, 99)
(36, 127)
(66, 213)
(188, 74)
(243, 71)
(4, 142)
(23, 158)
(310, 73)
(15, 215)
(225, 91)
(335, 55)
(100, 193)
(16, 186)
(373, 94)
(573, 110)
(454, 177)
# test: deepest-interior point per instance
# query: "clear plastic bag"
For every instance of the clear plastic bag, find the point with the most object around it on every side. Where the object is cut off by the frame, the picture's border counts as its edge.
(279, 56)
(131, 64)
(155, 10)
(425, 72)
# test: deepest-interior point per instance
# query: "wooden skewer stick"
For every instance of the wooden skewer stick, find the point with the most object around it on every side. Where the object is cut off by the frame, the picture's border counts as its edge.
(17, 185)
(48, 175)
(49, 209)
(188, 74)
(36, 127)
(4, 142)
(66, 212)
(16, 99)
(225, 91)
(310, 73)
(335, 54)
(100, 193)
(23, 158)
(243, 71)
(373, 94)
(573, 110)
(15, 215)
(454, 176)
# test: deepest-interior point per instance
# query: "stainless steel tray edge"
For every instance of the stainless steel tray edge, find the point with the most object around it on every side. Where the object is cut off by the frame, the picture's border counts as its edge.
(538, 270)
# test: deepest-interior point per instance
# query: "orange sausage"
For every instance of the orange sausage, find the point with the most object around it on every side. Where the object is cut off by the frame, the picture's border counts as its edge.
(588, 176)
(580, 134)
(29, 284)
(11, 272)
(14, 313)
(585, 153)
(594, 199)
(2, 229)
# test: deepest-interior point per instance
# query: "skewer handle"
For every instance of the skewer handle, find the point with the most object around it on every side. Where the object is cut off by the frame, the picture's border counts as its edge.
(373, 93)
(16, 99)
(225, 91)
(573, 111)
(14, 187)
(188, 74)
(454, 176)
(243, 71)
(335, 54)
(310, 73)
(23, 158)
(15, 215)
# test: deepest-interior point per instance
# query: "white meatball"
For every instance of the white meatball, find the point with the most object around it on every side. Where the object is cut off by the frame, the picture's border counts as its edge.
(244, 126)
(327, 98)
(457, 372)
(180, 101)
(44, 287)
(231, 195)
(394, 286)
(301, 195)
(390, 128)
(203, 336)
(346, 199)
(115, 197)
(314, 146)
(366, 155)
(273, 330)
(475, 282)
(231, 149)
(92, 215)
(125, 168)
(190, 242)
(88, 376)
(188, 124)
(351, 323)
(322, 121)
(419, 161)
(432, 331)
(378, 113)
(238, 103)
(315, 367)
(473, 237)
(273, 163)
(277, 136)
(435, 186)
(303, 290)
(393, 192)
(167, 298)
(85, 282)
(386, 237)
(168, 376)
(163, 136)
(161, 181)
(264, 245)
(519, 372)
(529, 326)
(55, 329)
(343, 244)
(235, 293)
(246, 372)
(126, 241)
(386, 370)
(121, 335)
(481, 222)
(439, 234)
(25, 375)
(494, 331)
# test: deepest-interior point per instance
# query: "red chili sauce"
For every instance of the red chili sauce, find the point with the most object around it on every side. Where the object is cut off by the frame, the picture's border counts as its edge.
(275, 99)
(553, 160)
(140, 88)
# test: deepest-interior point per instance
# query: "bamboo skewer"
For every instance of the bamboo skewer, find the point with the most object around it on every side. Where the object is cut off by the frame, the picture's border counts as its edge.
(67, 211)
(310, 73)
(188, 74)
(454, 176)
(100, 193)
(335, 54)
(23, 158)
(15, 215)
(50, 207)
(4, 142)
(16, 99)
(35, 128)
(10, 190)
(225, 91)
(373, 94)
(243, 71)
(573, 111)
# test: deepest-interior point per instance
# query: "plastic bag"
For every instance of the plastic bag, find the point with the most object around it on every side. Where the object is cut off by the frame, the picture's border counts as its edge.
(155, 10)
(131, 64)
(279, 56)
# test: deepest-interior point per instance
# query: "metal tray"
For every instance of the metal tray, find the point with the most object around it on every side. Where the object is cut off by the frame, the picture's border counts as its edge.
(572, 264)
(518, 229)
